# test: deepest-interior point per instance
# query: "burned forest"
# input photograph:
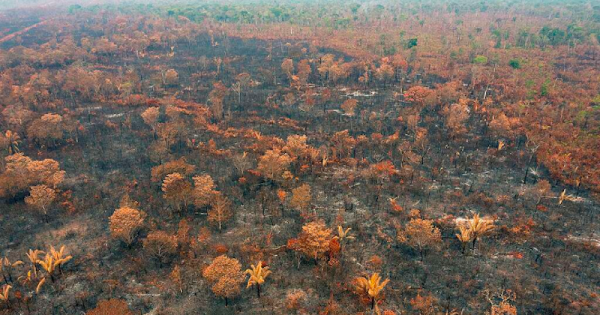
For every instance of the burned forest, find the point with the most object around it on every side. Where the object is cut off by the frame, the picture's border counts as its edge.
(333, 157)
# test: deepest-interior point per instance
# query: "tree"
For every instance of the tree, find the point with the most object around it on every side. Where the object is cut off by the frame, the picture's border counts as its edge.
(314, 239)
(501, 303)
(515, 63)
(480, 60)
(177, 190)
(301, 197)
(371, 287)
(225, 275)
(465, 237)
(40, 197)
(241, 162)
(273, 164)
(52, 262)
(6, 266)
(150, 117)
(342, 143)
(424, 304)
(171, 78)
(216, 97)
(456, 116)
(258, 273)
(296, 146)
(304, 71)
(243, 81)
(412, 42)
(417, 94)
(111, 307)
(220, 211)
(49, 128)
(288, 67)
(4, 295)
(540, 190)
(176, 166)
(479, 227)
(420, 233)
(349, 106)
(161, 245)
(204, 190)
(344, 235)
(385, 72)
(10, 141)
(125, 223)
(45, 172)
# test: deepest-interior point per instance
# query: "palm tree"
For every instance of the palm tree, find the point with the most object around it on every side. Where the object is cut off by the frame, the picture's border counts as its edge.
(34, 257)
(344, 234)
(6, 266)
(258, 274)
(59, 260)
(479, 227)
(4, 294)
(13, 142)
(464, 237)
(371, 287)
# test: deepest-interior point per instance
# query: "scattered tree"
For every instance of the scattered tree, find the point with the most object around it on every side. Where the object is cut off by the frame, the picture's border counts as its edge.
(258, 273)
(225, 275)
(125, 223)
(421, 234)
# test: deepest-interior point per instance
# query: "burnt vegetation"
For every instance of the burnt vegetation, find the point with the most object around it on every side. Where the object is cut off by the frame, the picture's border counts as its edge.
(428, 157)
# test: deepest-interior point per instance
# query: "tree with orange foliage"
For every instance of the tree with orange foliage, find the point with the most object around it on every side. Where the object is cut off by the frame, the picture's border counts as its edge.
(314, 239)
(304, 71)
(456, 116)
(399, 64)
(417, 94)
(177, 190)
(49, 128)
(111, 307)
(46, 171)
(349, 106)
(161, 245)
(288, 67)
(296, 146)
(170, 77)
(301, 197)
(40, 197)
(501, 303)
(225, 275)
(204, 190)
(381, 171)
(423, 304)
(215, 98)
(385, 72)
(342, 144)
(273, 164)
(176, 166)
(421, 234)
(21, 172)
(125, 223)
(150, 117)
(220, 212)
(502, 126)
